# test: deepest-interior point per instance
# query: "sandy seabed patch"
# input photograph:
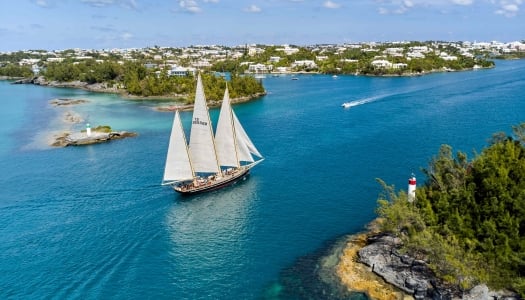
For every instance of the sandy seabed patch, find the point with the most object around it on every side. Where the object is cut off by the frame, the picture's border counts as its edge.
(359, 277)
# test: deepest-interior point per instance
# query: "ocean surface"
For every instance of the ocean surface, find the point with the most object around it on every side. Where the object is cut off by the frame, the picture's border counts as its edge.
(94, 222)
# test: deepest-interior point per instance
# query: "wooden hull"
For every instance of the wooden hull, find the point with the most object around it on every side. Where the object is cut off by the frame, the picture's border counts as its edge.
(213, 185)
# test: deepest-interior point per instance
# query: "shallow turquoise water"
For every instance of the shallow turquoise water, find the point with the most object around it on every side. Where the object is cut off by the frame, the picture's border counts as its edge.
(94, 222)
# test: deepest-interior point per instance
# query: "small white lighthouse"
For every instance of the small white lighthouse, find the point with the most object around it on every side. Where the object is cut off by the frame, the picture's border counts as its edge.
(88, 129)
(412, 188)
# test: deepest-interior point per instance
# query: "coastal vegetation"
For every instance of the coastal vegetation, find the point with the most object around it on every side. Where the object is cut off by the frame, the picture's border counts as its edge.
(138, 80)
(468, 219)
(15, 71)
(101, 128)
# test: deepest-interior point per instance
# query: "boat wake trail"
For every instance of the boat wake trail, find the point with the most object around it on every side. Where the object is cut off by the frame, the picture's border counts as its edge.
(363, 101)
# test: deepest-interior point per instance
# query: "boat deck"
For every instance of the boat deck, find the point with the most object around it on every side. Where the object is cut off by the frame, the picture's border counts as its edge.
(212, 182)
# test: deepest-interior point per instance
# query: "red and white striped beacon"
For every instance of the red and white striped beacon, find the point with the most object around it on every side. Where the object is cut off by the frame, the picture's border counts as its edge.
(412, 188)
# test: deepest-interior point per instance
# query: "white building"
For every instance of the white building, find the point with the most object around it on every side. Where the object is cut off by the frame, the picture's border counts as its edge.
(180, 71)
(304, 63)
(445, 56)
(399, 66)
(35, 69)
(415, 55)
(381, 63)
(259, 68)
(288, 50)
(423, 49)
(55, 59)
(393, 51)
(29, 61)
(346, 60)
(282, 70)
(254, 50)
(516, 45)
(202, 64)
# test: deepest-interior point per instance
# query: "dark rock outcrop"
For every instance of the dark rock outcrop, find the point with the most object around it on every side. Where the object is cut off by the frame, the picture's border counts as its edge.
(413, 276)
(23, 81)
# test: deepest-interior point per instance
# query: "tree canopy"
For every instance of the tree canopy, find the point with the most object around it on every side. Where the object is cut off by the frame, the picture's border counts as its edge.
(468, 220)
(139, 80)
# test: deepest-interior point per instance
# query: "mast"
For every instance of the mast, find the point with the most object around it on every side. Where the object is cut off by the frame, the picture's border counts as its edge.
(232, 124)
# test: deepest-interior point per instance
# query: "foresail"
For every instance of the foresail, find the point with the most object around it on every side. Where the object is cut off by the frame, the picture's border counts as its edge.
(202, 148)
(243, 139)
(178, 166)
(225, 135)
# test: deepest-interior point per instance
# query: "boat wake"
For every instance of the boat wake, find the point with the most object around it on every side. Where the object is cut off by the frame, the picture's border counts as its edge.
(363, 101)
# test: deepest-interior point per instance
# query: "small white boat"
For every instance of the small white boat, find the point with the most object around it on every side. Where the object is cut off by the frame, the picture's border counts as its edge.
(346, 104)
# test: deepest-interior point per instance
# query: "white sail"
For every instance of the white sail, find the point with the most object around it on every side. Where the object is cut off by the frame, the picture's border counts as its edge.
(242, 138)
(178, 165)
(243, 151)
(202, 147)
(225, 135)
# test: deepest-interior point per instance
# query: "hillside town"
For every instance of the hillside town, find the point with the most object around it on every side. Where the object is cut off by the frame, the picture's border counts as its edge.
(358, 58)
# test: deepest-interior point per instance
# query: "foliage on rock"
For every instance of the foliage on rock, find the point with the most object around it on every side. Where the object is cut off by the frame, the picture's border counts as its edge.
(468, 221)
(100, 128)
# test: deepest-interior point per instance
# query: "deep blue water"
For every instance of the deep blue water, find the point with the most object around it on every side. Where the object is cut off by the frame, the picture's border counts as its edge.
(94, 222)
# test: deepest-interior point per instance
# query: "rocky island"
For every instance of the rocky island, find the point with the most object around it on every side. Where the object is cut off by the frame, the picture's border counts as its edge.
(87, 136)
(100, 134)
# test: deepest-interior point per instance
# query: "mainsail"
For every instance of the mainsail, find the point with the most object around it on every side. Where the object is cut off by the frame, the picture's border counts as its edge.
(227, 151)
(178, 165)
(202, 147)
(233, 144)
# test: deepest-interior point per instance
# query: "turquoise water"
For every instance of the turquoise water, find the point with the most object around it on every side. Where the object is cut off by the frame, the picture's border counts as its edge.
(94, 222)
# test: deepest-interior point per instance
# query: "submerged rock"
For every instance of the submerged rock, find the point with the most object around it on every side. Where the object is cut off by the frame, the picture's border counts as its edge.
(66, 101)
(72, 117)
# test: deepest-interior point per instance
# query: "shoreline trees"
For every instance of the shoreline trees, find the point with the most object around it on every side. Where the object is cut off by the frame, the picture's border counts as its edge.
(468, 221)
(137, 80)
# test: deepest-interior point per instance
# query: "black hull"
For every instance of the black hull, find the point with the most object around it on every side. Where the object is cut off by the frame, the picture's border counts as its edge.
(214, 185)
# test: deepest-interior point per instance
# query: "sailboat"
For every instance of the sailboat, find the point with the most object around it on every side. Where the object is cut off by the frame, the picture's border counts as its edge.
(208, 162)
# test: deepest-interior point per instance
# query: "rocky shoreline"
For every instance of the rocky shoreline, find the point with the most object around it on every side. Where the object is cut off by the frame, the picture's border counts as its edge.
(371, 263)
(95, 87)
(104, 88)
(81, 139)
